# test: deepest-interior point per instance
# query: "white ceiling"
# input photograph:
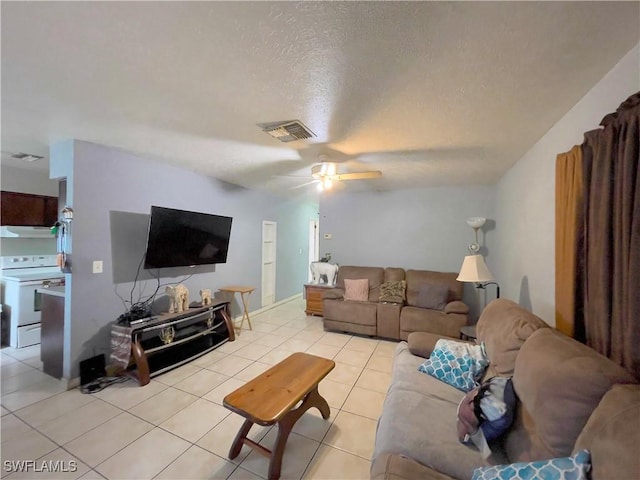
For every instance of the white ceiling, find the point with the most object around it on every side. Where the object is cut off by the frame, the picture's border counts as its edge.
(430, 93)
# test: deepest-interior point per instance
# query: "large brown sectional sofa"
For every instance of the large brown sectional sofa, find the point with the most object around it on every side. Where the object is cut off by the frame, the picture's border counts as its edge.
(394, 320)
(569, 398)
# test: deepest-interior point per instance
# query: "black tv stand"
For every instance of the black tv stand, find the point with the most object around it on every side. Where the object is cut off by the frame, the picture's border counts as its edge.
(164, 342)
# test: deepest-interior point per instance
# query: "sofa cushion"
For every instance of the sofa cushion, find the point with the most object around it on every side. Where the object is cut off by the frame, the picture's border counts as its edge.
(394, 274)
(415, 319)
(612, 434)
(432, 296)
(575, 467)
(459, 364)
(398, 467)
(356, 289)
(361, 313)
(560, 382)
(504, 326)
(393, 292)
(417, 278)
(375, 275)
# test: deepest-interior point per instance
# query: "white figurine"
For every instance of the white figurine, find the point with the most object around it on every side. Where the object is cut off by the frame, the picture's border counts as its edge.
(205, 295)
(319, 269)
(179, 298)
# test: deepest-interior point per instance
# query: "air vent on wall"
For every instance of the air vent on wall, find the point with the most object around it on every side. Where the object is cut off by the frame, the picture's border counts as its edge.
(288, 131)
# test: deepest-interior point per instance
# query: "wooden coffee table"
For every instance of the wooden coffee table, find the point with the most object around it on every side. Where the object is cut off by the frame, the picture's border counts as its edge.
(270, 397)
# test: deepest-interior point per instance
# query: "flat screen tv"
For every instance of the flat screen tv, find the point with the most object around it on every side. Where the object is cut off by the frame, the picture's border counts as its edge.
(179, 238)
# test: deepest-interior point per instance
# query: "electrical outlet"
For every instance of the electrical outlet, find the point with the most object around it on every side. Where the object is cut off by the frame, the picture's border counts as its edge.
(97, 266)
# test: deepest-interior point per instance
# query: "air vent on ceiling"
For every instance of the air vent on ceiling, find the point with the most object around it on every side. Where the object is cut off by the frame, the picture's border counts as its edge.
(288, 131)
(26, 157)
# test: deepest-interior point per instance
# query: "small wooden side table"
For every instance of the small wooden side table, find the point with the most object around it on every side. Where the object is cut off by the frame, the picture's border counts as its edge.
(244, 292)
(313, 293)
(468, 332)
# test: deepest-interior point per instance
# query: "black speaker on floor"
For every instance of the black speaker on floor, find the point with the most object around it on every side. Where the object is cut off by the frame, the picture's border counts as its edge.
(92, 368)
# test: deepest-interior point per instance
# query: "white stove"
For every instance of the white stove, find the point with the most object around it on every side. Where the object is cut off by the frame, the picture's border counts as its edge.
(22, 276)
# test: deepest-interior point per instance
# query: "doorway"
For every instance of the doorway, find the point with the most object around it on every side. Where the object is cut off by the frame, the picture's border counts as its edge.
(314, 244)
(268, 263)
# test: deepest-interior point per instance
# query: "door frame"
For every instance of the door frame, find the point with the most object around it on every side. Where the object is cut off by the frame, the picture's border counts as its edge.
(269, 278)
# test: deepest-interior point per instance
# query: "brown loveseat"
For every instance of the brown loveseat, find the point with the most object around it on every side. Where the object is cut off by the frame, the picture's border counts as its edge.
(569, 398)
(396, 320)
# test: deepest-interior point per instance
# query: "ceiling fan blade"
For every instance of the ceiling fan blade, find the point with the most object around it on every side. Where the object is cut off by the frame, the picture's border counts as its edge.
(359, 175)
(304, 184)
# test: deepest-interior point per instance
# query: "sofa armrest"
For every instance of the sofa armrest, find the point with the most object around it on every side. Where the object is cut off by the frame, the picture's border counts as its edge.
(333, 294)
(423, 343)
(456, 306)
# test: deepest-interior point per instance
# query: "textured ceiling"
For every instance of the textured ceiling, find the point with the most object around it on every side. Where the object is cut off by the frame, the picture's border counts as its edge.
(430, 93)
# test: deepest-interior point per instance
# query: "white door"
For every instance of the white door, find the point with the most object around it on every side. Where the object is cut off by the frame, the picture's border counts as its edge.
(268, 263)
(314, 243)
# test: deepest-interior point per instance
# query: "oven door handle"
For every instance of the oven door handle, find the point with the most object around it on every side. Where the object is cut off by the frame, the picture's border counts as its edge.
(42, 283)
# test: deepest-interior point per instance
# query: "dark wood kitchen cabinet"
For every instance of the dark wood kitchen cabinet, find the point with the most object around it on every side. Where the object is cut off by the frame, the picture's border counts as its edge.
(27, 209)
(52, 331)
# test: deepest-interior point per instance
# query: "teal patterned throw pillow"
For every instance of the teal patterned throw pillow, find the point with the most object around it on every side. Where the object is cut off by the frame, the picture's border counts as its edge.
(458, 364)
(568, 468)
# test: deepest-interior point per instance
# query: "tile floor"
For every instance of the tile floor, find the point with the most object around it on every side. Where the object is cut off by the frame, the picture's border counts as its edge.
(176, 427)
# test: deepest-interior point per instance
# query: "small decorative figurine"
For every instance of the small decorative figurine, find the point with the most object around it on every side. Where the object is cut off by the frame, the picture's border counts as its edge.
(323, 269)
(205, 296)
(167, 334)
(179, 298)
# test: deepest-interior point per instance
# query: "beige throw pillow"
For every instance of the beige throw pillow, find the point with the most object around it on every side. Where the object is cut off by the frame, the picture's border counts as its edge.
(356, 290)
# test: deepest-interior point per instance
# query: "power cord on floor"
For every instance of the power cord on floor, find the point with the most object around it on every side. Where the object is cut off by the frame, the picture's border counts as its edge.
(101, 383)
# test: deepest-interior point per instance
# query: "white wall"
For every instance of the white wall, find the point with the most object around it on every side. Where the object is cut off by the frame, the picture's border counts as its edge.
(525, 196)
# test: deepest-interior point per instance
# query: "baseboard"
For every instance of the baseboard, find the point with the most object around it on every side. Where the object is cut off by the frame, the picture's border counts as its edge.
(269, 307)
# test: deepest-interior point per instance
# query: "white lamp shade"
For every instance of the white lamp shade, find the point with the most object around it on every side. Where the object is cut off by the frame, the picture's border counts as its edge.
(474, 270)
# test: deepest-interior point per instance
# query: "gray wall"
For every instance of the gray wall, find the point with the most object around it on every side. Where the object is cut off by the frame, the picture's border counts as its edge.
(420, 229)
(525, 196)
(111, 194)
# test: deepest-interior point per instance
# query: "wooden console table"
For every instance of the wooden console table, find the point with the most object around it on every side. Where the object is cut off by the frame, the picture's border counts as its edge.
(270, 398)
(242, 290)
(167, 341)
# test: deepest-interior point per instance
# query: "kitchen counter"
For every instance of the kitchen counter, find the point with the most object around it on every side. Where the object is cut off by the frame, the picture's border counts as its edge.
(52, 333)
(55, 291)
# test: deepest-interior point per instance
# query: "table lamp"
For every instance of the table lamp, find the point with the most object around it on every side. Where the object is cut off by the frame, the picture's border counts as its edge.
(475, 270)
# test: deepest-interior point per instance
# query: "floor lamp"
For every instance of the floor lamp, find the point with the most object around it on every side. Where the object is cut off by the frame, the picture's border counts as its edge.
(476, 271)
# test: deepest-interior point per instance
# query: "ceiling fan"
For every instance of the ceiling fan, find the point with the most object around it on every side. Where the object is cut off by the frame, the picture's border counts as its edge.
(326, 174)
